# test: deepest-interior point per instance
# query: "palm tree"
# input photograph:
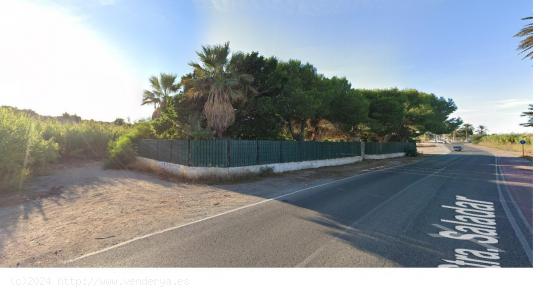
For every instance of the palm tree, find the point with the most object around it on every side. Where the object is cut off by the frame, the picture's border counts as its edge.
(481, 130)
(214, 81)
(526, 44)
(163, 88)
(467, 129)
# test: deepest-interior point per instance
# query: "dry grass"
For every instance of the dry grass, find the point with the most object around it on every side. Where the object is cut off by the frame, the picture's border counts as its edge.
(79, 209)
(510, 147)
(82, 208)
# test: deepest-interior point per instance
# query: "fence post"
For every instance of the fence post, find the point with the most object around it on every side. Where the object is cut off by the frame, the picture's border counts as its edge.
(157, 156)
(189, 152)
(136, 148)
(257, 152)
(171, 144)
(228, 157)
(280, 151)
(301, 150)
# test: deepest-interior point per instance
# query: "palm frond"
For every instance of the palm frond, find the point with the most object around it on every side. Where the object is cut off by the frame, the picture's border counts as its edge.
(163, 89)
(155, 83)
(168, 83)
(526, 44)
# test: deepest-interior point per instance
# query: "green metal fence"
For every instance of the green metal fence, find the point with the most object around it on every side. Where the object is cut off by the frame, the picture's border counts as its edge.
(390, 147)
(230, 153)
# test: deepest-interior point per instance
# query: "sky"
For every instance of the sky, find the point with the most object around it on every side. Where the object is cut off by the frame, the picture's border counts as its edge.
(94, 57)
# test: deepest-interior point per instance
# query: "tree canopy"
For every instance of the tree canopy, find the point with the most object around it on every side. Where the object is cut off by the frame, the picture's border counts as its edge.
(250, 96)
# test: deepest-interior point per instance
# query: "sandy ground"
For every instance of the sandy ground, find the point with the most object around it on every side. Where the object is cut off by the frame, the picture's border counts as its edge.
(80, 208)
(500, 152)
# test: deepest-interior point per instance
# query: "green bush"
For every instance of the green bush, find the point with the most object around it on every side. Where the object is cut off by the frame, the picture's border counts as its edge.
(411, 151)
(122, 151)
(23, 150)
(30, 142)
(501, 139)
(85, 140)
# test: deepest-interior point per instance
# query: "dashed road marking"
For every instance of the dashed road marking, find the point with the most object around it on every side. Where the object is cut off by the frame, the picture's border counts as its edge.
(232, 210)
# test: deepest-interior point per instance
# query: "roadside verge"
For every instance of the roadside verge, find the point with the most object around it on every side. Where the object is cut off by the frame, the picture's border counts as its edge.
(84, 208)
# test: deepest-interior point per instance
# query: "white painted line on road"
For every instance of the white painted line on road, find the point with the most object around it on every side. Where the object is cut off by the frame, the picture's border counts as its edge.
(391, 198)
(509, 194)
(315, 253)
(230, 211)
(519, 234)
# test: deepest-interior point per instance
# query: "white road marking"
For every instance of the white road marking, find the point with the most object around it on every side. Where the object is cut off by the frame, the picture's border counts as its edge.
(315, 253)
(230, 211)
(509, 194)
(519, 234)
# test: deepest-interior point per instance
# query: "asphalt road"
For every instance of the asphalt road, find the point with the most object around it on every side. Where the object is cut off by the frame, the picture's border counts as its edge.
(406, 216)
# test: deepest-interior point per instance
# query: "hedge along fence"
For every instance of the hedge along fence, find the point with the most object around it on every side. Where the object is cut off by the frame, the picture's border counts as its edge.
(233, 153)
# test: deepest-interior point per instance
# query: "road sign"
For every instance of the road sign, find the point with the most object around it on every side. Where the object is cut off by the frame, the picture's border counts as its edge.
(522, 142)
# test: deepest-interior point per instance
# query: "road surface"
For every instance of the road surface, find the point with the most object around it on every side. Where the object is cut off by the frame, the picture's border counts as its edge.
(452, 210)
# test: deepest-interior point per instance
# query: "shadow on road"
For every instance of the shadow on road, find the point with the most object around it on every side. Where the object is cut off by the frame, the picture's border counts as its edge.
(398, 230)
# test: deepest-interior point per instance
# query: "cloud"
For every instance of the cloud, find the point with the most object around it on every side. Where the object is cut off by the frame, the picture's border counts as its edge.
(53, 63)
(513, 103)
(502, 116)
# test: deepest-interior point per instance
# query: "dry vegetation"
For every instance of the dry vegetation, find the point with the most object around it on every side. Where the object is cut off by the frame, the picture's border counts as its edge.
(82, 207)
(29, 143)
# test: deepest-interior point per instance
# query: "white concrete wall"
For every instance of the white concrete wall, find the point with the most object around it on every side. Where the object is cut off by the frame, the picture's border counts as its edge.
(194, 172)
(383, 156)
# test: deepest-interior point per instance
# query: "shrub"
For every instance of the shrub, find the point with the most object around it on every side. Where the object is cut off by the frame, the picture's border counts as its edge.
(87, 140)
(509, 142)
(500, 139)
(410, 150)
(29, 142)
(122, 151)
(22, 148)
(477, 138)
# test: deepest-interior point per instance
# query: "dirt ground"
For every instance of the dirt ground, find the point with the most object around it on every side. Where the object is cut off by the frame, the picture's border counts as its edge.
(504, 152)
(80, 207)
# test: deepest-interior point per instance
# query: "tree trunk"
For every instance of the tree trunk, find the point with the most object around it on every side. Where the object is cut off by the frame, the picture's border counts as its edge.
(289, 124)
(315, 124)
(302, 129)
